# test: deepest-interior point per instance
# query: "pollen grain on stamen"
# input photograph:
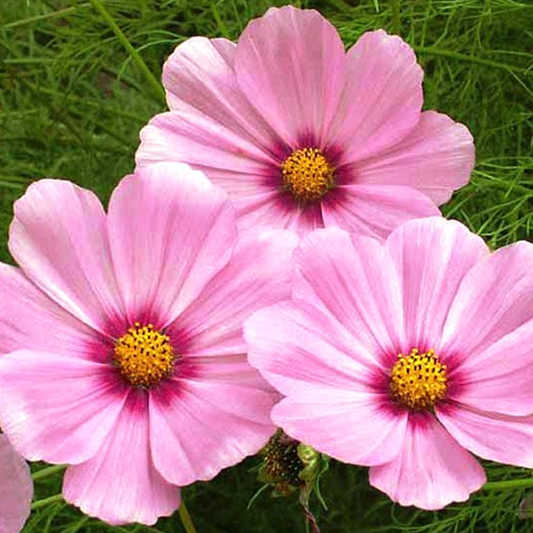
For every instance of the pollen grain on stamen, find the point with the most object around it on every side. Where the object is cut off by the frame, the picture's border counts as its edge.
(144, 355)
(418, 380)
(307, 175)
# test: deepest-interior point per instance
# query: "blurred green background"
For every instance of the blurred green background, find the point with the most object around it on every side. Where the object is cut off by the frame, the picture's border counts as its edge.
(73, 98)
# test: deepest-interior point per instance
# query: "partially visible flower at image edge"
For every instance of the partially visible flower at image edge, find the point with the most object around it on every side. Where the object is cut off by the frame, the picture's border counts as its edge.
(303, 134)
(121, 336)
(16, 488)
(406, 356)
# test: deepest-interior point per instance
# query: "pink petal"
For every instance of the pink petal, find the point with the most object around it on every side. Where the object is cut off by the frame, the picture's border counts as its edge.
(55, 408)
(258, 274)
(353, 427)
(275, 209)
(228, 159)
(375, 210)
(290, 63)
(212, 126)
(296, 347)
(171, 231)
(31, 319)
(199, 79)
(197, 428)
(495, 298)
(120, 484)
(502, 438)
(382, 99)
(59, 238)
(354, 279)
(432, 257)
(431, 471)
(224, 368)
(499, 378)
(436, 158)
(16, 489)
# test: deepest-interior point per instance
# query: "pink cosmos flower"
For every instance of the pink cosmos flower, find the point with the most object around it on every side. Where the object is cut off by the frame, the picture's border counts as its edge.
(124, 354)
(405, 356)
(304, 135)
(16, 489)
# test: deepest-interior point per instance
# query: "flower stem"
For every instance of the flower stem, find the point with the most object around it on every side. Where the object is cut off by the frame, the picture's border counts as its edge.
(186, 519)
(509, 484)
(150, 78)
(310, 518)
(49, 471)
(47, 501)
(472, 59)
(396, 20)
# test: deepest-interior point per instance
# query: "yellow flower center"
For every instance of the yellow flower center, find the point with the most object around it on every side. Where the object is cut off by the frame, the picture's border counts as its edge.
(144, 355)
(307, 175)
(418, 380)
